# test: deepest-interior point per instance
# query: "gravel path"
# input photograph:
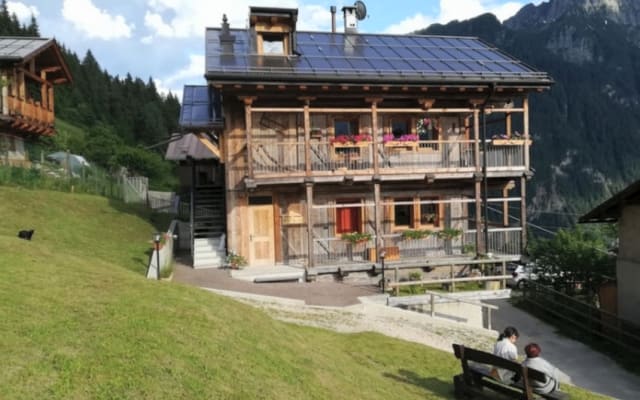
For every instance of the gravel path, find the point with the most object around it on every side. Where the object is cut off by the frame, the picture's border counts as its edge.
(371, 316)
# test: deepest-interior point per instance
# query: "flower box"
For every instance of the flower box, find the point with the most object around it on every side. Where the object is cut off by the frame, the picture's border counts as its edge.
(510, 142)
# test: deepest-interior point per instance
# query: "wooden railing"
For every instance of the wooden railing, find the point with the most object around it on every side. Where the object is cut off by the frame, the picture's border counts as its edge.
(32, 114)
(270, 157)
(503, 242)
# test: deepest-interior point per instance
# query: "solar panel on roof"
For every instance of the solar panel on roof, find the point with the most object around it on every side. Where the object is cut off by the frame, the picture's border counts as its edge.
(339, 56)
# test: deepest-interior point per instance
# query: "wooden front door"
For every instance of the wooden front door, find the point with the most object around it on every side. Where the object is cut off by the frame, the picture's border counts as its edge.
(261, 235)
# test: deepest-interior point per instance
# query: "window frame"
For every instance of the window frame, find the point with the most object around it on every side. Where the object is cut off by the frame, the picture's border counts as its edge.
(359, 215)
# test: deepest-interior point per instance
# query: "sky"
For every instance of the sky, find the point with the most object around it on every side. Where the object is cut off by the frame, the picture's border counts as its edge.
(164, 39)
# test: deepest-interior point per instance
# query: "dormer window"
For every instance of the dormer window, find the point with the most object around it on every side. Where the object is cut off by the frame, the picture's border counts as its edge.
(273, 44)
(274, 29)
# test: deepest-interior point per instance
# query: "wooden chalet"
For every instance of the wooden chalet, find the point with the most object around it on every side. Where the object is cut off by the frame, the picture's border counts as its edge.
(30, 67)
(623, 208)
(337, 147)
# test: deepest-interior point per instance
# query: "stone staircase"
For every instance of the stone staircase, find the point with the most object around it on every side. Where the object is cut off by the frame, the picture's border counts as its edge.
(209, 252)
(209, 227)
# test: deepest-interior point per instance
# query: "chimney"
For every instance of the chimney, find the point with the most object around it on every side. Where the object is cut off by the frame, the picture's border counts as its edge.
(226, 38)
(333, 19)
(350, 20)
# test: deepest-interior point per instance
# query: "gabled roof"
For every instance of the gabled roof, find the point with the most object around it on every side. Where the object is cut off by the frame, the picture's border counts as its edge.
(374, 58)
(610, 210)
(20, 49)
(190, 145)
(201, 108)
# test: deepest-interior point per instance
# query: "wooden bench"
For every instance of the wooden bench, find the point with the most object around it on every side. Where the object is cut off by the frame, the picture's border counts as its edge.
(474, 379)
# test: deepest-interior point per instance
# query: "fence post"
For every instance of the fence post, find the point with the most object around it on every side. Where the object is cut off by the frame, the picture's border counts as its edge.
(433, 304)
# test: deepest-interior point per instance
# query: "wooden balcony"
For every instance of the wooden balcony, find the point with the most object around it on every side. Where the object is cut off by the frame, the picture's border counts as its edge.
(458, 158)
(28, 116)
(504, 244)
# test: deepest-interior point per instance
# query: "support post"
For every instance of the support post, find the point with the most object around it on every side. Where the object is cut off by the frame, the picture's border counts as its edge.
(523, 214)
(377, 218)
(309, 194)
(453, 284)
(477, 186)
(485, 181)
(525, 117)
(192, 208)
(433, 305)
(307, 140)
(375, 136)
(247, 121)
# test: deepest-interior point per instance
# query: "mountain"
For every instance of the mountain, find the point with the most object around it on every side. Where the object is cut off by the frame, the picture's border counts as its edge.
(586, 129)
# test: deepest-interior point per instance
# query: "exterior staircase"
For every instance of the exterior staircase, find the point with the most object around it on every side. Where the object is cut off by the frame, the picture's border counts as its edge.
(209, 244)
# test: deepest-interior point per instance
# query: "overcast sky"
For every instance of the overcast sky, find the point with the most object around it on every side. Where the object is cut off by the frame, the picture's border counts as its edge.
(164, 39)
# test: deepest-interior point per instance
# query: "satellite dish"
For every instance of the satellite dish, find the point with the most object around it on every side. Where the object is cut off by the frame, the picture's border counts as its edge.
(361, 10)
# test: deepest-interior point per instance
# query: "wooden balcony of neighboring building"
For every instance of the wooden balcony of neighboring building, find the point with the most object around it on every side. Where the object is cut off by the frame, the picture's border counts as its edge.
(28, 115)
(454, 159)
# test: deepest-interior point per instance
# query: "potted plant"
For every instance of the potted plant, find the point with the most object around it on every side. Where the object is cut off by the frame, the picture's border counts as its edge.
(356, 237)
(415, 234)
(448, 234)
(235, 261)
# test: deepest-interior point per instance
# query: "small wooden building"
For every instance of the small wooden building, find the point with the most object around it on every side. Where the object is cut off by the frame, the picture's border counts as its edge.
(337, 147)
(29, 69)
(624, 208)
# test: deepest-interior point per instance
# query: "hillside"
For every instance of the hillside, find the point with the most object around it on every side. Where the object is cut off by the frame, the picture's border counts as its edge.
(80, 321)
(586, 129)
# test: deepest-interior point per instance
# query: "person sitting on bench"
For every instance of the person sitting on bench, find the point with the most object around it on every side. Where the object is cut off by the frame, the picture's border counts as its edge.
(505, 347)
(533, 360)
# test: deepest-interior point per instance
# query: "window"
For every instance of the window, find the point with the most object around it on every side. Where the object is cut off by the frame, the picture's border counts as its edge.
(400, 127)
(403, 213)
(273, 43)
(345, 127)
(429, 212)
(348, 219)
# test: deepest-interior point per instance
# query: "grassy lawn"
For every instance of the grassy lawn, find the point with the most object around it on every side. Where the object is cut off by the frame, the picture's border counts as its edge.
(80, 321)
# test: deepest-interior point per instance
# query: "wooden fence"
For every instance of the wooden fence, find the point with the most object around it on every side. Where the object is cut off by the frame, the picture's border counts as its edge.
(594, 324)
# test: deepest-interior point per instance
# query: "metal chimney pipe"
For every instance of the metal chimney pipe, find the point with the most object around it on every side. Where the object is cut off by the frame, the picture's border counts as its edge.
(333, 19)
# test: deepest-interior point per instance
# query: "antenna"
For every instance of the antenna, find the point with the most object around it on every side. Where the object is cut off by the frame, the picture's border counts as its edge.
(361, 10)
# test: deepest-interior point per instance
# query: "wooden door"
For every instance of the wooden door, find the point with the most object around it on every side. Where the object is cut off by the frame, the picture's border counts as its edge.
(261, 235)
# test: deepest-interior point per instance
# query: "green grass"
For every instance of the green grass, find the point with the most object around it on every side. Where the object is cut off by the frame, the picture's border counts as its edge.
(79, 321)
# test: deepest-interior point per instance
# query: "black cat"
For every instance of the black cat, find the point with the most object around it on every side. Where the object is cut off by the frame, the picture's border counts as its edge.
(26, 234)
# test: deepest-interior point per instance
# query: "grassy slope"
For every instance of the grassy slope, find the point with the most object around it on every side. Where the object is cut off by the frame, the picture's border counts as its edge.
(80, 321)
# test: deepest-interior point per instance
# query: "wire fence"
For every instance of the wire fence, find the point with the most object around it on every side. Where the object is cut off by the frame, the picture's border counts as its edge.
(51, 176)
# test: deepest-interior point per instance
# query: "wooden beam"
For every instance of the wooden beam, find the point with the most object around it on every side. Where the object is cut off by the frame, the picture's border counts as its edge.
(426, 103)
(303, 87)
(344, 87)
(366, 88)
(51, 69)
(207, 143)
(35, 77)
(260, 87)
(282, 87)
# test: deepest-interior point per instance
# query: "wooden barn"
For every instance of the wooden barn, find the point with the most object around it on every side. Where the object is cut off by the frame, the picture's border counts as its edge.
(30, 67)
(334, 148)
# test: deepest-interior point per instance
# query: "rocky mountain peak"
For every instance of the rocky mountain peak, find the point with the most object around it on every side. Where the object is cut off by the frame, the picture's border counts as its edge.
(626, 12)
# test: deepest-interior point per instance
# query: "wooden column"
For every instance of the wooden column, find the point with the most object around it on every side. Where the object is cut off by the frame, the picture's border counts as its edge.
(51, 98)
(378, 218)
(44, 96)
(247, 122)
(525, 116)
(523, 213)
(375, 135)
(5, 95)
(478, 181)
(307, 138)
(309, 195)
(21, 86)
(507, 123)
(505, 207)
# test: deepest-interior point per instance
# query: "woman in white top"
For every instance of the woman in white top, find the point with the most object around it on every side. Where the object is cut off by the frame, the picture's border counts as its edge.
(505, 347)
(533, 360)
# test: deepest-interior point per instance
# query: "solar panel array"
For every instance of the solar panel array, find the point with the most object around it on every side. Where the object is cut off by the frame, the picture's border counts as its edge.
(366, 55)
(201, 107)
(15, 48)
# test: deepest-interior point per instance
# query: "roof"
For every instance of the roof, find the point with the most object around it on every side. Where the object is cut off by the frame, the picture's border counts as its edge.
(201, 107)
(19, 49)
(188, 146)
(340, 57)
(611, 209)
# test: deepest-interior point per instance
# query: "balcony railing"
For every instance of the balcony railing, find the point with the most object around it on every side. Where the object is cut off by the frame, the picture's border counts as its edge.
(31, 115)
(503, 242)
(273, 158)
